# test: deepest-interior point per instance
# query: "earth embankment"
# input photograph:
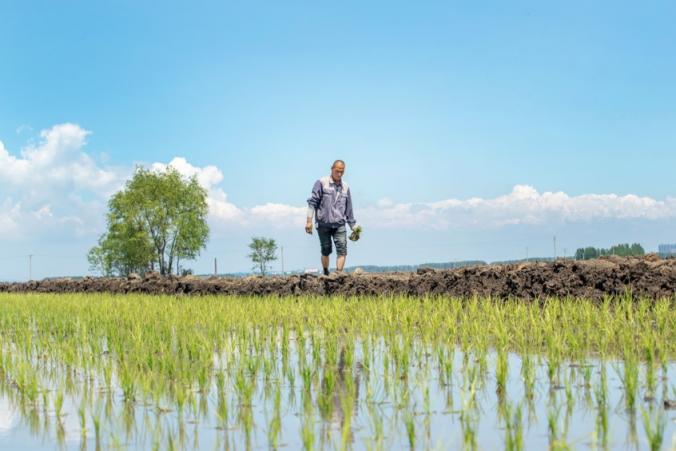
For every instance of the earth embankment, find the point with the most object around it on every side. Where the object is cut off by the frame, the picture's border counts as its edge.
(612, 276)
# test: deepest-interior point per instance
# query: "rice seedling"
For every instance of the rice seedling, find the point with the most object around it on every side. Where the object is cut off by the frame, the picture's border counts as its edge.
(501, 373)
(151, 371)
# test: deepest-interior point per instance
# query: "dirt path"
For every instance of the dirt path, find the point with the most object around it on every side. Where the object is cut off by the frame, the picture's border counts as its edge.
(645, 277)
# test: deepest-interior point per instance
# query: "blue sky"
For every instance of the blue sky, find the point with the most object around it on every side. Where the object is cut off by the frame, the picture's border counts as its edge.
(426, 103)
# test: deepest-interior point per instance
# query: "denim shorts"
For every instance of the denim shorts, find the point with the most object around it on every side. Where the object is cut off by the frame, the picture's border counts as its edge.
(339, 235)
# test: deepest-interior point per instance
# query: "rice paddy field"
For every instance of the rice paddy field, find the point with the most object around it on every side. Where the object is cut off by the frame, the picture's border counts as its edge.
(103, 371)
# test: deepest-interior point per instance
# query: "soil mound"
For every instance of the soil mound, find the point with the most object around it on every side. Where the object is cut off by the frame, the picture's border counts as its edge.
(647, 276)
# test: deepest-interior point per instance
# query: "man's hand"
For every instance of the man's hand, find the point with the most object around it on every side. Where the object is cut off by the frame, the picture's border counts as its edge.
(356, 233)
(308, 226)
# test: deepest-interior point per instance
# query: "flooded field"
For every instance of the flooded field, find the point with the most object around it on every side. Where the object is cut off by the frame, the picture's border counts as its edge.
(90, 371)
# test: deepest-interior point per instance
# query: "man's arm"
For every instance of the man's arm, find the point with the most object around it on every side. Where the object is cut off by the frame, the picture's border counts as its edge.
(312, 204)
(349, 214)
(316, 196)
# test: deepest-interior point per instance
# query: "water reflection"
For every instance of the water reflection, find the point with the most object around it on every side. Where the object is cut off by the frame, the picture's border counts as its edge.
(367, 394)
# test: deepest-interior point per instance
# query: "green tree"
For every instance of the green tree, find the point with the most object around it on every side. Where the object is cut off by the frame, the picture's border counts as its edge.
(263, 251)
(590, 252)
(579, 254)
(157, 218)
(622, 250)
(123, 249)
(637, 249)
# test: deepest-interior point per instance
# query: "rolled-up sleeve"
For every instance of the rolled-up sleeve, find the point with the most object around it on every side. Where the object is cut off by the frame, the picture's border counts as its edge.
(316, 197)
(349, 214)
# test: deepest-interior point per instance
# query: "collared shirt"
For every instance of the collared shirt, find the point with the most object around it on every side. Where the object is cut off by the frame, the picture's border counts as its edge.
(332, 202)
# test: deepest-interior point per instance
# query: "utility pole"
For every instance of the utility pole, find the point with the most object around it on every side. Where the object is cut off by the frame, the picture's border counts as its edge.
(526, 253)
(282, 260)
(30, 267)
(215, 267)
(554, 247)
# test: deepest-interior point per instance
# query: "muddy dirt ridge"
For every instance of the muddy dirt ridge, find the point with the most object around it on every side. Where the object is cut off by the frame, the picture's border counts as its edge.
(647, 276)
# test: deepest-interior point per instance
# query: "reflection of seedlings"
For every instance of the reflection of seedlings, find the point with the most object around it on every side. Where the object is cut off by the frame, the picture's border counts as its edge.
(650, 381)
(467, 424)
(409, 423)
(377, 425)
(346, 404)
(96, 421)
(308, 433)
(629, 379)
(653, 425)
(83, 420)
(58, 405)
(602, 408)
(528, 376)
(587, 375)
(513, 428)
(553, 425)
(275, 426)
(501, 372)
(570, 399)
(557, 437)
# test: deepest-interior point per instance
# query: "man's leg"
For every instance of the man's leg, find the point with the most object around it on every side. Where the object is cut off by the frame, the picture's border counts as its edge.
(325, 264)
(326, 248)
(340, 239)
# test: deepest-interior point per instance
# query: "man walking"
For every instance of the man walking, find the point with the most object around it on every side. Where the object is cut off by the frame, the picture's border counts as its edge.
(331, 204)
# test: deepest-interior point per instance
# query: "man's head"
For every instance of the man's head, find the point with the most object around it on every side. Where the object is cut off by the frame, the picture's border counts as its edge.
(337, 170)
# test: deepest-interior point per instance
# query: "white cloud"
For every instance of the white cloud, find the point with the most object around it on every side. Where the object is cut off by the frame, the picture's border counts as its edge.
(57, 160)
(49, 177)
(220, 209)
(208, 176)
(55, 183)
(223, 211)
(523, 205)
(278, 214)
(43, 212)
(10, 213)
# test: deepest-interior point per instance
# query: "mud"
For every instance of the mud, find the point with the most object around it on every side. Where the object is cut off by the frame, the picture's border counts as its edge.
(648, 276)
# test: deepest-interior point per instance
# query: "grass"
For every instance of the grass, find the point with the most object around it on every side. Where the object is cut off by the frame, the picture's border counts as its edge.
(322, 360)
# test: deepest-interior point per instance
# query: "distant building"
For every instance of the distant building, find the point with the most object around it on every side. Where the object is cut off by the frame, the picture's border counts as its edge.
(667, 250)
(311, 271)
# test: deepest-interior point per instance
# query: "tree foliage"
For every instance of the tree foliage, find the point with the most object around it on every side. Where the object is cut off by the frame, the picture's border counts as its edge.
(263, 251)
(622, 250)
(157, 218)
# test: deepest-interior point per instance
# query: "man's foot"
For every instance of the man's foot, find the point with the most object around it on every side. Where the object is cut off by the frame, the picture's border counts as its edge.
(326, 271)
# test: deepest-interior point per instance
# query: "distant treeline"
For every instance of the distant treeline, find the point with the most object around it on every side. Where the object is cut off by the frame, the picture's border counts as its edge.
(622, 250)
(523, 260)
(411, 268)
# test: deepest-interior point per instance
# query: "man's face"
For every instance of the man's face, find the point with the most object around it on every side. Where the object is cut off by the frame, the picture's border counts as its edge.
(337, 171)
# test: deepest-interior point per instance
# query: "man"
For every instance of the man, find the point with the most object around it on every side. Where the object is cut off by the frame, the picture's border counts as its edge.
(331, 205)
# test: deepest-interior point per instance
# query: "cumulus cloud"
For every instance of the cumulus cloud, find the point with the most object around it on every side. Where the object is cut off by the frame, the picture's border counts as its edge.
(10, 213)
(523, 205)
(56, 161)
(224, 212)
(48, 177)
(208, 176)
(55, 183)
(220, 209)
(279, 215)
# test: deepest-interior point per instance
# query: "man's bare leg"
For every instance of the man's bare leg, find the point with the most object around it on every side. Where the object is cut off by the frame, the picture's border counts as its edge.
(340, 263)
(325, 263)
